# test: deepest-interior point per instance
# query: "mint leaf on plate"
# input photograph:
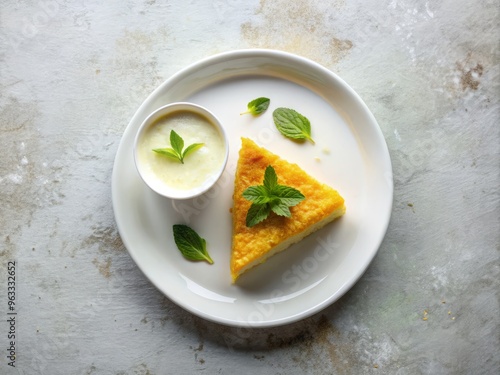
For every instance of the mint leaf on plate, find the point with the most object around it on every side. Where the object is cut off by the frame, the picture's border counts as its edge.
(190, 244)
(292, 124)
(257, 106)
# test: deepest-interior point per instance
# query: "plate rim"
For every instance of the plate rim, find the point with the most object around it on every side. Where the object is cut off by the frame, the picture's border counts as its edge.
(249, 53)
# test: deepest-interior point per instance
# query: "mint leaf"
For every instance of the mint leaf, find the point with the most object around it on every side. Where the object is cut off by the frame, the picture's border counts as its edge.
(190, 244)
(177, 144)
(257, 213)
(270, 178)
(191, 148)
(292, 124)
(257, 106)
(167, 152)
(257, 194)
(288, 195)
(270, 197)
(281, 208)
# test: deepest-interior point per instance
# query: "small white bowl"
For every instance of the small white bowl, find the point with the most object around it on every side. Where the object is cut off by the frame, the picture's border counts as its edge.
(155, 183)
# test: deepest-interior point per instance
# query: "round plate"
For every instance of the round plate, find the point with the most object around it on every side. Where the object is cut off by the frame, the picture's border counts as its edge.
(350, 155)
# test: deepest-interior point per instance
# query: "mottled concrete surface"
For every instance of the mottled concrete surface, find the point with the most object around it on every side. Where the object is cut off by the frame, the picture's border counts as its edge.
(72, 74)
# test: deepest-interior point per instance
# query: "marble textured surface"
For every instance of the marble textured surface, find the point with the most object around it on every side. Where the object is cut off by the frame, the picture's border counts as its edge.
(72, 74)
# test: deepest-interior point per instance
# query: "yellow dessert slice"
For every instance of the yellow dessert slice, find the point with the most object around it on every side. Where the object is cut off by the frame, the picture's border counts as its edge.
(254, 245)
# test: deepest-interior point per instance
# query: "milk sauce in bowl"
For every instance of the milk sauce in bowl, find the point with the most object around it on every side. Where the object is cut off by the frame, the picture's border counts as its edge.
(199, 169)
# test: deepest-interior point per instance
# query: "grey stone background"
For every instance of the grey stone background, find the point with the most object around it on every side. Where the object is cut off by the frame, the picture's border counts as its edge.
(72, 74)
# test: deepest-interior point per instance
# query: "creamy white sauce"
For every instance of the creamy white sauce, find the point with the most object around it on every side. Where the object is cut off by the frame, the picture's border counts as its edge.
(198, 166)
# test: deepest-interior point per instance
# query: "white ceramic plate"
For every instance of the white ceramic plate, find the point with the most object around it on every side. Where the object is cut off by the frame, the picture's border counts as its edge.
(350, 155)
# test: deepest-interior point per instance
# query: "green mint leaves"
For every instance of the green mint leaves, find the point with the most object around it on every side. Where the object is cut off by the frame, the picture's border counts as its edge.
(190, 244)
(270, 197)
(292, 124)
(176, 152)
(288, 121)
(257, 106)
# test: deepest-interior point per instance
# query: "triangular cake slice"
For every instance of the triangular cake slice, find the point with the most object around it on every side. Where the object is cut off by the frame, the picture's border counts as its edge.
(252, 246)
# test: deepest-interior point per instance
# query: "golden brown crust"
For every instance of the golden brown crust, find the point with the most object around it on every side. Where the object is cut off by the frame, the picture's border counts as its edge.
(251, 245)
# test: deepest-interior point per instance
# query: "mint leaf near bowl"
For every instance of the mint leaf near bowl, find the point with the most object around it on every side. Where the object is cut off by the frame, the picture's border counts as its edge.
(190, 244)
(257, 106)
